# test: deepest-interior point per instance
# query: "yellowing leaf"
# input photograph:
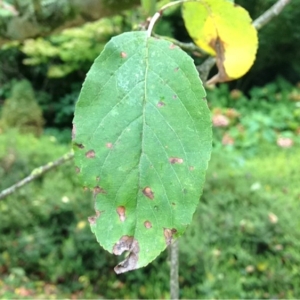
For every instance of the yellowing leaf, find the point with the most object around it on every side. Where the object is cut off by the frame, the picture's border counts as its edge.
(224, 30)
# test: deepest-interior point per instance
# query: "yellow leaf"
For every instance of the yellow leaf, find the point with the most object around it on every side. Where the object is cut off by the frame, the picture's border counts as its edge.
(223, 29)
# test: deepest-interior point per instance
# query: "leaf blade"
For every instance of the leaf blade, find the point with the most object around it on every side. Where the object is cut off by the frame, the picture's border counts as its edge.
(147, 169)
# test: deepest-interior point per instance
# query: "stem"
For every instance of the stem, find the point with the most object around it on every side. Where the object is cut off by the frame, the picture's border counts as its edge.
(158, 14)
(152, 23)
(37, 173)
(174, 283)
(269, 14)
(205, 68)
(191, 47)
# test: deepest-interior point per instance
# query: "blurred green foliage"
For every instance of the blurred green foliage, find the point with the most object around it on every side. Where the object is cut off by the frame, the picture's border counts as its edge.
(243, 242)
(72, 49)
(245, 237)
(268, 114)
(22, 111)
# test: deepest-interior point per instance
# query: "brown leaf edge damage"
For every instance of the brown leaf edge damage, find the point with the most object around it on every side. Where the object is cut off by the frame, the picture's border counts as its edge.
(222, 76)
(93, 220)
(127, 243)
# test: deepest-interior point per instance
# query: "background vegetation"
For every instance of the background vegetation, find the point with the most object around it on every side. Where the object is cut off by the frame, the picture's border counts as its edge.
(245, 239)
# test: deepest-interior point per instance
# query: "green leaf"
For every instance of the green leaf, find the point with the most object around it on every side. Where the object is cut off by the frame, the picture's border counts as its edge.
(142, 140)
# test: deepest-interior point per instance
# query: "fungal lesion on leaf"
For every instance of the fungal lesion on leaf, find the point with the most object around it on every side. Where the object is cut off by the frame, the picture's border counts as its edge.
(109, 145)
(148, 224)
(148, 192)
(160, 104)
(175, 160)
(123, 54)
(98, 190)
(127, 243)
(80, 146)
(121, 212)
(168, 234)
(92, 220)
(90, 154)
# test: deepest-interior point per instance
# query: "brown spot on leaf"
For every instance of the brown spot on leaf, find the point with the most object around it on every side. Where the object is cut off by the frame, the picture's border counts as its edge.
(123, 54)
(109, 145)
(168, 233)
(173, 203)
(127, 243)
(90, 154)
(121, 213)
(148, 192)
(148, 224)
(93, 219)
(174, 96)
(176, 69)
(77, 170)
(98, 190)
(80, 146)
(85, 188)
(192, 168)
(160, 104)
(175, 160)
(73, 132)
(172, 46)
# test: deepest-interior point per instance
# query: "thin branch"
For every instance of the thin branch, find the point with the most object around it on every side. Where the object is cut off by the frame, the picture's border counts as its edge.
(153, 20)
(269, 14)
(36, 173)
(191, 47)
(174, 283)
(205, 68)
(158, 14)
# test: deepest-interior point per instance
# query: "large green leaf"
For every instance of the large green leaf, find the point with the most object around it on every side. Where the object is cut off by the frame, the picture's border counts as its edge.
(142, 140)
